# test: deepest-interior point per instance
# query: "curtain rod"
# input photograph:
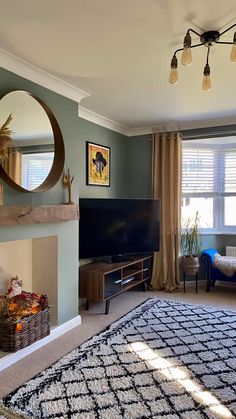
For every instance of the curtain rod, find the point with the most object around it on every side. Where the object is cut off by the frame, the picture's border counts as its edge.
(199, 133)
(210, 132)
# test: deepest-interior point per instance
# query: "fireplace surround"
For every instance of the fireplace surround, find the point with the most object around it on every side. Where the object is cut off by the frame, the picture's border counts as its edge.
(54, 241)
(54, 248)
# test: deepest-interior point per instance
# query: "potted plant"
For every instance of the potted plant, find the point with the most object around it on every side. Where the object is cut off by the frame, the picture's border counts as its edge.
(190, 245)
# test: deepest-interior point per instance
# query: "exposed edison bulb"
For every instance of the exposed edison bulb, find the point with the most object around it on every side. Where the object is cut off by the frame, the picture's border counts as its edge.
(233, 53)
(173, 78)
(186, 58)
(206, 83)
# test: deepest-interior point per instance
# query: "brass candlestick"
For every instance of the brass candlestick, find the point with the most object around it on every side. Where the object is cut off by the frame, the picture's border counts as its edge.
(67, 181)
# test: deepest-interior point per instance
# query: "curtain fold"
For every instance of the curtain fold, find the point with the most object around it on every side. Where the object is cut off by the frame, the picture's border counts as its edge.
(13, 165)
(166, 185)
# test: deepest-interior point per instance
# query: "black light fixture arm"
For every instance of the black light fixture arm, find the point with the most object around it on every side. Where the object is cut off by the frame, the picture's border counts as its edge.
(226, 30)
(208, 52)
(224, 43)
(192, 30)
(181, 49)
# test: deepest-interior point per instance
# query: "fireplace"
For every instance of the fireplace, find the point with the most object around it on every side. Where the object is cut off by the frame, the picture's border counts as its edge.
(50, 235)
(53, 230)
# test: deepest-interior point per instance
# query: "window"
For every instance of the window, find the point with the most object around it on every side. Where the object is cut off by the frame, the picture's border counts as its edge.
(35, 168)
(209, 183)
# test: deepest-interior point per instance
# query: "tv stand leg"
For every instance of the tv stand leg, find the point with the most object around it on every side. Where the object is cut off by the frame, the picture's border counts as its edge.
(107, 306)
(145, 287)
(87, 305)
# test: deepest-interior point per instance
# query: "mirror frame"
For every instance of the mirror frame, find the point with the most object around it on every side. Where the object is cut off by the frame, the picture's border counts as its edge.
(59, 153)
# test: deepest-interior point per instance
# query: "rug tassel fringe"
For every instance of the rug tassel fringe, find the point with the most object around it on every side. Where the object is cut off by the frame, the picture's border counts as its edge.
(8, 414)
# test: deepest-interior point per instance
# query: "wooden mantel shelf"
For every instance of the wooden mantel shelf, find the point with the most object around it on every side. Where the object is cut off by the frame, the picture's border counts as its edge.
(18, 215)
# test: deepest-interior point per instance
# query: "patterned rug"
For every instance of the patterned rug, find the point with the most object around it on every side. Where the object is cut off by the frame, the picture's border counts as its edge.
(164, 359)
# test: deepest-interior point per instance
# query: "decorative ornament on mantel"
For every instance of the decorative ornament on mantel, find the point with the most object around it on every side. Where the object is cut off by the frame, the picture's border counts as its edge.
(5, 138)
(67, 182)
(207, 39)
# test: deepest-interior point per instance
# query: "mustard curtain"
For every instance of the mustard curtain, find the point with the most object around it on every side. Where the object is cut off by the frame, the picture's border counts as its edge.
(166, 177)
(13, 165)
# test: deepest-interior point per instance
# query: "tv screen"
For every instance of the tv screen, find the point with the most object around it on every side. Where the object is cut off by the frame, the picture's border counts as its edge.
(111, 227)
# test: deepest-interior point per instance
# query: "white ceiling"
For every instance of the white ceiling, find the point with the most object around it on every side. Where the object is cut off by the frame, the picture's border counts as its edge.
(119, 52)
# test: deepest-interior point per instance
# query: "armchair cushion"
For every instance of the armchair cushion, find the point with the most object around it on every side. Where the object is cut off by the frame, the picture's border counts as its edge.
(225, 264)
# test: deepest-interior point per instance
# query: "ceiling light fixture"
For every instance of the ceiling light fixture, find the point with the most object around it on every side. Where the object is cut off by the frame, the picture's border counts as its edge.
(208, 39)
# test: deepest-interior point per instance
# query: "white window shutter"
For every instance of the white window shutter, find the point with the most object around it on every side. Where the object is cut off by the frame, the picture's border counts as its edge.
(35, 169)
(228, 172)
(198, 171)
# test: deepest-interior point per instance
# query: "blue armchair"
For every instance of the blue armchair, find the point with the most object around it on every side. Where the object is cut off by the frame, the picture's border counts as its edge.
(213, 274)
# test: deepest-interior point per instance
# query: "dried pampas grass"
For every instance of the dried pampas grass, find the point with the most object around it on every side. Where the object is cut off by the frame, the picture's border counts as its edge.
(5, 138)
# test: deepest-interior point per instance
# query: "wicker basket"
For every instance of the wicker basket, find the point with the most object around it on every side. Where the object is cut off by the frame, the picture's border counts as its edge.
(34, 327)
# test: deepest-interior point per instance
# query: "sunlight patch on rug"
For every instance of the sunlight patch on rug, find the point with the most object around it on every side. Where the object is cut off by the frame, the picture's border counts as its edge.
(164, 359)
(175, 374)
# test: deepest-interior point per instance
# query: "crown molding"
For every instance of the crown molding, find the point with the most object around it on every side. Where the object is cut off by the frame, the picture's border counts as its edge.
(102, 120)
(37, 75)
(168, 127)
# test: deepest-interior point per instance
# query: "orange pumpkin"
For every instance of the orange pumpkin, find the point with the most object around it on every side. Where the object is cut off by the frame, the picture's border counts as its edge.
(35, 310)
(19, 327)
(12, 306)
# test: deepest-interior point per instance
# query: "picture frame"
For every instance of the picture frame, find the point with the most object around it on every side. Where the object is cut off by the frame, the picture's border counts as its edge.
(98, 164)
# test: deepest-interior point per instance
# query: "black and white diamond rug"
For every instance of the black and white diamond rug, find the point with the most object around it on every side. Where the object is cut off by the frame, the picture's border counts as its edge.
(164, 359)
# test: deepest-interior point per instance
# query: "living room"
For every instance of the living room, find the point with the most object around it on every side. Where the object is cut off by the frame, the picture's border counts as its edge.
(99, 98)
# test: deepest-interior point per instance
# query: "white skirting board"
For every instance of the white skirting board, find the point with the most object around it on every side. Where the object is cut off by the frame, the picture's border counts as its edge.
(10, 358)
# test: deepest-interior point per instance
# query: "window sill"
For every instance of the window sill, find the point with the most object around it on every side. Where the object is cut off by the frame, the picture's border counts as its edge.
(218, 233)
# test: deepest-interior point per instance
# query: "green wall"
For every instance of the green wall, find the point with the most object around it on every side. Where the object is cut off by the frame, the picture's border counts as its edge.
(140, 167)
(76, 132)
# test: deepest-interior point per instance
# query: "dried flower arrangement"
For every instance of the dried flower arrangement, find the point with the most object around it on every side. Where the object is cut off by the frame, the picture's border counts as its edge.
(18, 304)
(5, 138)
(22, 305)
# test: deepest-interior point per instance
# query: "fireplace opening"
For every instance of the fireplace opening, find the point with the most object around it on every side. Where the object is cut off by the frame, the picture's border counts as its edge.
(35, 261)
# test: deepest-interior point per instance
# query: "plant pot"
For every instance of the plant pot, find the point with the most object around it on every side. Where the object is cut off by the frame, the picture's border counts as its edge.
(190, 264)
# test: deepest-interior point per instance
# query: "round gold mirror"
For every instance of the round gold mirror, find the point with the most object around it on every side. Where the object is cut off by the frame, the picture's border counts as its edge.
(35, 158)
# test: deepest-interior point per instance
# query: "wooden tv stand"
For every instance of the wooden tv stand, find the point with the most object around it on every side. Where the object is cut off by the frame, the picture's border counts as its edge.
(101, 281)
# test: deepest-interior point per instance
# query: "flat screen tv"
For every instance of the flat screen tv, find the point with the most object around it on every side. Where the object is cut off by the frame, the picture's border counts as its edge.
(114, 227)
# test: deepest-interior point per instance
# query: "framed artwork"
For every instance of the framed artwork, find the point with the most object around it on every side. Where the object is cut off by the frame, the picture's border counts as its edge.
(98, 159)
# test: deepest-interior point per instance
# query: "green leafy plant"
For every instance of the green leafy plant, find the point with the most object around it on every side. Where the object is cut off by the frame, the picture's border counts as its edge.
(190, 237)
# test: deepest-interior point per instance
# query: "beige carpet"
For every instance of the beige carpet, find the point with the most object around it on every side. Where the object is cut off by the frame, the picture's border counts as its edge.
(94, 320)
